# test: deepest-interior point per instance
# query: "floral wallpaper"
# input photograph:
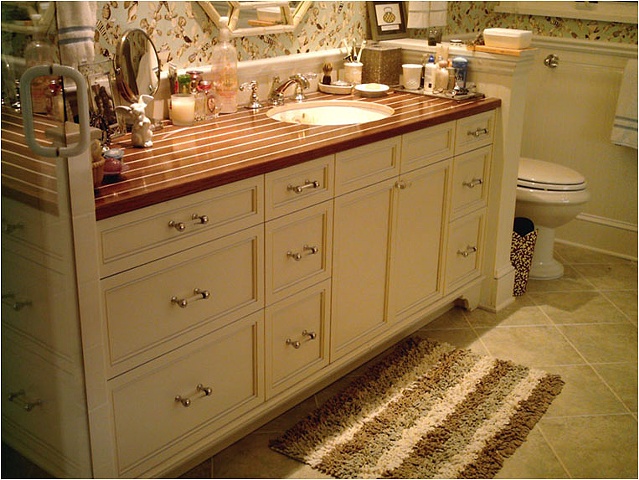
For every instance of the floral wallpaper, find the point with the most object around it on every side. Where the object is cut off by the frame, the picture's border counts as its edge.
(184, 35)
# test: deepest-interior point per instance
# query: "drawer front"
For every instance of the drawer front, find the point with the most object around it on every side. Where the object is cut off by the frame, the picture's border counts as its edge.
(40, 303)
(471, 173)
(363, 166)
(427, 146)
(298, 251)
(150, 233)
(464, 252)
(151, 424)
(43, 407)
(300, 186)
(148, 307)
(297, 337)
(24, 227)
(474, 132)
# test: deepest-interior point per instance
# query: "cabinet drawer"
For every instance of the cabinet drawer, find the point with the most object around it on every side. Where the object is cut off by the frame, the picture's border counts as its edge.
(131, 239)
(24, 227)
(43, 410)
(300, 186)
(464, 252)
(40, 303)
(297, 338)
(151, 424)
(427, 146)
(363, 166)
(298, 250)
(142, 306)
(471, 173)
(474, 132)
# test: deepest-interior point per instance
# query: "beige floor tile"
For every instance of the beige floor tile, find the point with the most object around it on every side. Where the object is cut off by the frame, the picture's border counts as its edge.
(578, 307)
(574, 255)
(594, 447)
(604, 343)
(570, 282)
(583, 394)
(533, 459)
(461, 338)
(610, 277)
(626, 301)
(622, 379)
(522, 312)
(530, 346)
(251, 457)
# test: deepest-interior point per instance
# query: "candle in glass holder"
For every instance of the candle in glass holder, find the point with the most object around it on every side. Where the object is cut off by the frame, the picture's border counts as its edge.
(182, 109)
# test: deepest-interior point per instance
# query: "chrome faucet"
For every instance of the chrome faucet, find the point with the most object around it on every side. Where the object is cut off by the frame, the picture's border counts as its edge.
(276, 97)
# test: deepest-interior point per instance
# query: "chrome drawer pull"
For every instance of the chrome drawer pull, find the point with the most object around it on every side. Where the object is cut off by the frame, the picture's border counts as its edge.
(478, 133)
(26, 405)
(298, 256)
(297, 343)
(468, 251)
(204, 219)
(473, 183)
(16, 305)
(198, 295)
(186, 402)
(9, 228)
(181, 226)
(301, 188)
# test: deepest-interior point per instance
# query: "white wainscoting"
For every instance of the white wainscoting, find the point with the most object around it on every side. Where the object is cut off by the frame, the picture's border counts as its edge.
(568, 120)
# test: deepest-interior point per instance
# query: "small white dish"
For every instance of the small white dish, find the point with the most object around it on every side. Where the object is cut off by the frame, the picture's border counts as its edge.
(336, 89)
(372, 89)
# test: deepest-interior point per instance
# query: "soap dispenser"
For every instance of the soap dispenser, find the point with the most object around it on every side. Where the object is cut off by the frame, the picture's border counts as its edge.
(224, 60)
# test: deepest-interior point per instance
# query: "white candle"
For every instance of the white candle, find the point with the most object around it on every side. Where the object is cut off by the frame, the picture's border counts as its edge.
(182, 110)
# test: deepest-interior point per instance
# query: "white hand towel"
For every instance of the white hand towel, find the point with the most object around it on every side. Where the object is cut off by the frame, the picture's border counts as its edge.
(76, 29)
(426, 14)
(624, 128)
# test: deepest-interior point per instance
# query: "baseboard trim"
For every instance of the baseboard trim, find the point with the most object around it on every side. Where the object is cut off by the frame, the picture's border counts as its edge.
(598, 250)
(608, 222)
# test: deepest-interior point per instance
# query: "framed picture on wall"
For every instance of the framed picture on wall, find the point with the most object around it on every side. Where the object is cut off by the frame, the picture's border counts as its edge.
(387, 20)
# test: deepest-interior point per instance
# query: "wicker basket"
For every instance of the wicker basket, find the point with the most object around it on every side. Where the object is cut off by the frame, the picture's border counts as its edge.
(98, 173)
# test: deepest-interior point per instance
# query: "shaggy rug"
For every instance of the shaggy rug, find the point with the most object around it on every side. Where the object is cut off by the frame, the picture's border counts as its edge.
(427, 410)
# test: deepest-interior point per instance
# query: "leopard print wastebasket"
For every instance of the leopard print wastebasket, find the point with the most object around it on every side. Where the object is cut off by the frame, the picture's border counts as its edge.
(521, 252)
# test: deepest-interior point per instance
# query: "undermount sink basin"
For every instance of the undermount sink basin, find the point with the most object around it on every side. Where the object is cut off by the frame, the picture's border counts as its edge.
(330, 112)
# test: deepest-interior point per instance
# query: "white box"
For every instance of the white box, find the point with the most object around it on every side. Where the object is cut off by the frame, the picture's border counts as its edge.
(507, 38)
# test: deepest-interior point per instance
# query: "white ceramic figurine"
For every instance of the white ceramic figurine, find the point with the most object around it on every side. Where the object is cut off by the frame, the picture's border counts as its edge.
(141, 134)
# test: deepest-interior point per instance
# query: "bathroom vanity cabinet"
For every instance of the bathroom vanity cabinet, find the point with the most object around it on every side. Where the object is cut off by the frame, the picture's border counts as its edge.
(246, 293)
(222, 307)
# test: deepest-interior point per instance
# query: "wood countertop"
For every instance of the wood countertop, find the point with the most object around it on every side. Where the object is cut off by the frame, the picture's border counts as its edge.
(186, 160)
(244, 144)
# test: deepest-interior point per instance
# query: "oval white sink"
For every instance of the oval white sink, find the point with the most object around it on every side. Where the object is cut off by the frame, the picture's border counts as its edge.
(330, 112)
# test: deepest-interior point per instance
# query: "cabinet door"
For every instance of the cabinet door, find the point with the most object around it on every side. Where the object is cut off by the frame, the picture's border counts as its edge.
(418, 239)
(362, 241)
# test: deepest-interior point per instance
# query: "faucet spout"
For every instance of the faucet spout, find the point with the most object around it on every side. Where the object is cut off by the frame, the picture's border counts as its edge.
(301, 83)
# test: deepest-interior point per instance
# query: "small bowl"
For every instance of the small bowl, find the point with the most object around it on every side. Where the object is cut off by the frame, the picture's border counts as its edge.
(372, 89)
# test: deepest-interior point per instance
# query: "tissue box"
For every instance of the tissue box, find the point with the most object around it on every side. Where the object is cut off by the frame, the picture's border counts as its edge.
(507, 38)
(382, 64)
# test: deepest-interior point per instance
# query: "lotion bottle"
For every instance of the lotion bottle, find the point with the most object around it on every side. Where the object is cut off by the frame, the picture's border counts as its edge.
(441, 82)
(430, 74)
(224, 70)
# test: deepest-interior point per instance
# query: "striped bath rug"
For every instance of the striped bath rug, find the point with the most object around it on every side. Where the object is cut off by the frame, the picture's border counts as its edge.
(427, 410)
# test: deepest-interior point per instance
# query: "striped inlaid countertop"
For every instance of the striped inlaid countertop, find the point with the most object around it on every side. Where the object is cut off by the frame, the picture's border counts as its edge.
(240, 145)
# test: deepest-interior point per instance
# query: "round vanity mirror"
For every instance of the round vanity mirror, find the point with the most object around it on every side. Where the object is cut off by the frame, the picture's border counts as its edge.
(137, 66)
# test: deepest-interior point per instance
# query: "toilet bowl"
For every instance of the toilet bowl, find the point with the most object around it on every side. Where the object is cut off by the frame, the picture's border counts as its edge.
(550, 195)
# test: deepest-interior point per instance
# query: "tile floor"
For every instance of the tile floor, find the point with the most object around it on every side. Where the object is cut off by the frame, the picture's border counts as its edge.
(582, 326)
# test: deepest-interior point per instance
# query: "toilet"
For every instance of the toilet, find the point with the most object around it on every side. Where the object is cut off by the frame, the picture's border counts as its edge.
(550, 195)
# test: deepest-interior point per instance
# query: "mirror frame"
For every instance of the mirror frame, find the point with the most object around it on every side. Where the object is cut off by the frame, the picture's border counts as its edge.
(292, 19)
(124, 88)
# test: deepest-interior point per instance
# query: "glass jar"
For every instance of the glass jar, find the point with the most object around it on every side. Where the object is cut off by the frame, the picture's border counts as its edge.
(205, 106)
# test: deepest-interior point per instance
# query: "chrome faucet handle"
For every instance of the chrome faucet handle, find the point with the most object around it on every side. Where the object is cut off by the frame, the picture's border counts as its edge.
(301, 84)
(254, 104)
(275, 97)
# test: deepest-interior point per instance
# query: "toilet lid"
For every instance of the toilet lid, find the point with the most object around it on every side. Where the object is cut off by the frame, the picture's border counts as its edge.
(542, 175)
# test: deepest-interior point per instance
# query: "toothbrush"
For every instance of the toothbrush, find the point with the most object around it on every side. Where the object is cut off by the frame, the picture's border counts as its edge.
(359, 54)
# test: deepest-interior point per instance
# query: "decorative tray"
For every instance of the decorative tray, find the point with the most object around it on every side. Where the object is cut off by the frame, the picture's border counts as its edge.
(449, 94)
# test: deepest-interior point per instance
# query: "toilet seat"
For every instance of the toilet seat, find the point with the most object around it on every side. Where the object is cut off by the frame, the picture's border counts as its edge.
(540, 175)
